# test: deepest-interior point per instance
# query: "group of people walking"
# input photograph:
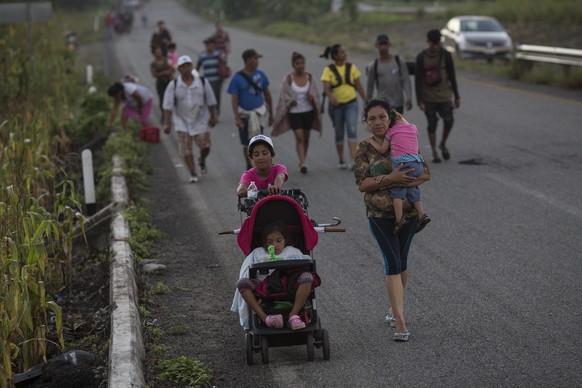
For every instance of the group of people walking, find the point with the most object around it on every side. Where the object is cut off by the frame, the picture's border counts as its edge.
(387, 165)
(188, 93)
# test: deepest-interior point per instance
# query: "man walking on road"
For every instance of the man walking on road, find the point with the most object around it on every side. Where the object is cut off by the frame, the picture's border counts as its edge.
(251, 100)
(435, 84)
(190, 105)
(161, 38)
(208, 61)
(389, 75)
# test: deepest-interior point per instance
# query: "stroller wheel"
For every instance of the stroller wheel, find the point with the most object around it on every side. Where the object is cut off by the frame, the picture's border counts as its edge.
(250, 350)
(264, 349)
(310, 347)
(325, 343)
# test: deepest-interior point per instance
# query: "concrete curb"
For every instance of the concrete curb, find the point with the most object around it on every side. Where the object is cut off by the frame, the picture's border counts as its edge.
(126, 350)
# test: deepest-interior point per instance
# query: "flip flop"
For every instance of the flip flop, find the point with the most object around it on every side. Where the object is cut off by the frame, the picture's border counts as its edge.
(401, 337)
(422, 223)
(390, 320)
(398, 225)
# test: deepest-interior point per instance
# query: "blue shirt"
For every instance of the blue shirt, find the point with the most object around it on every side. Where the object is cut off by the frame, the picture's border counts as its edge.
(248, 97)
(209, 65)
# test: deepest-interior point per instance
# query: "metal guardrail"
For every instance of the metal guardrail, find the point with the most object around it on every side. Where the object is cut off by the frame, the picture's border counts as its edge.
(556, 55)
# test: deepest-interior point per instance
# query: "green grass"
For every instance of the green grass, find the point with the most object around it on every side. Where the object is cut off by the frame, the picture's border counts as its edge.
(185, 370)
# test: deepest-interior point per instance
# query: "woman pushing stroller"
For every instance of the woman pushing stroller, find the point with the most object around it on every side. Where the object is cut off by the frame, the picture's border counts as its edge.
(269, 176)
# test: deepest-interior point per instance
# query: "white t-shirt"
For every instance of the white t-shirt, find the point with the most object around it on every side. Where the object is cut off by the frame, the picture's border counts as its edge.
(129, 88)
(190, 113)
(302, 98)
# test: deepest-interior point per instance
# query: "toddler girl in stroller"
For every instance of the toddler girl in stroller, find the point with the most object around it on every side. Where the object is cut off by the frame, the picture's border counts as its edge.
(248, 289)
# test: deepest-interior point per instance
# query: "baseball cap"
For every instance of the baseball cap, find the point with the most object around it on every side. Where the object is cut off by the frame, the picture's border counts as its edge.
(250, 53)
(261, 139)
(184, 59)
(209, 40)
(382, 38)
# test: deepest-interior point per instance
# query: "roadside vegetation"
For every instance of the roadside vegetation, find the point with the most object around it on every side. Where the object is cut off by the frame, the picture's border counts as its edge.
(40, 203)
(47, 118)
(537, 22)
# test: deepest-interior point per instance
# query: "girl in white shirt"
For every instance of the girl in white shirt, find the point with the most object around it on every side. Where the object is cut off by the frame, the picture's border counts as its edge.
(273, 235)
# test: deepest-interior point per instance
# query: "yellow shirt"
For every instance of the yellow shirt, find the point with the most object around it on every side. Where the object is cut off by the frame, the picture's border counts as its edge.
(343, 93)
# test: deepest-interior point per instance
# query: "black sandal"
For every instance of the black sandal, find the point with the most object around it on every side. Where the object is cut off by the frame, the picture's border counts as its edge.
(422, 223)
(445, 151)
(399, 224)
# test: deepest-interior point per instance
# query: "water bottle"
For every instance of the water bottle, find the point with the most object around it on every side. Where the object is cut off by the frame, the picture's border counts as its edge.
(252, 191)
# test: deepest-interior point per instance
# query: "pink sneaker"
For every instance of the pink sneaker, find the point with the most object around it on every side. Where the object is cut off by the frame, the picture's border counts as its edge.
(295, 323)
(275, 321)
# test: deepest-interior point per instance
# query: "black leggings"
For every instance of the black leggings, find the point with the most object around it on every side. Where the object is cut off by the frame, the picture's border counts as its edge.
(161, 89)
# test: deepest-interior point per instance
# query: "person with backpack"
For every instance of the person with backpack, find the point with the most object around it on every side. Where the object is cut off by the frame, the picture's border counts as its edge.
(190, 105)
(341, 82)
(388, 74)
(251, 100)
(436, 84)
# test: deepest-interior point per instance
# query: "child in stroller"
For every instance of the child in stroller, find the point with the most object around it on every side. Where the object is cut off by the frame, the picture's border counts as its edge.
(248, 289)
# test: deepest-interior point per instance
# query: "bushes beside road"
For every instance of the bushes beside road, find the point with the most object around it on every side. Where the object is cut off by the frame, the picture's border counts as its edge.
(45, 118)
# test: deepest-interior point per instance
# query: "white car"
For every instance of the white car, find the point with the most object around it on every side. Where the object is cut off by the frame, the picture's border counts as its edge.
(477, 37)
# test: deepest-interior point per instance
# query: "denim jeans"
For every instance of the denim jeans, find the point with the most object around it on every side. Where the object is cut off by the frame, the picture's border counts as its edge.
(344, 118)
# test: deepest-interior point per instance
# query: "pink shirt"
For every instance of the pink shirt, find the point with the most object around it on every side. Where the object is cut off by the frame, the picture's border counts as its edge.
(173, 58)
(262, 184)
(403, 139)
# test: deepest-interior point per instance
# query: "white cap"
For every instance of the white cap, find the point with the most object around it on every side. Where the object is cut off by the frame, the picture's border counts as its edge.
(184, 59)
(262, 138)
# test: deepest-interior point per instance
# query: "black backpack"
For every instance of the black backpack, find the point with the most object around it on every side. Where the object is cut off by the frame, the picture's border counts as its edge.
(376, 69)
(339, 80)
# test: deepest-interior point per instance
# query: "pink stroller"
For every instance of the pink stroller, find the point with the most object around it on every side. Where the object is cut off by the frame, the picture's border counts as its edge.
(290, 207)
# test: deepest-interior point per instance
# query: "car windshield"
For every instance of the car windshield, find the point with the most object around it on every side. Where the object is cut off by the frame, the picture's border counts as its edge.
(481, 25)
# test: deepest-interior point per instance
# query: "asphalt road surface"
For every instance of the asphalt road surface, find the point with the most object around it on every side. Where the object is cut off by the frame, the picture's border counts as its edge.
(495, 290)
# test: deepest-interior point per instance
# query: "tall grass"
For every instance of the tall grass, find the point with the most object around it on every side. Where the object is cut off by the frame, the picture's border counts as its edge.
(38, 202)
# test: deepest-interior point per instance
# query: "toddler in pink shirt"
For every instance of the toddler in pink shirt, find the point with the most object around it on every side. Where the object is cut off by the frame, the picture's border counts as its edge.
(402, 142)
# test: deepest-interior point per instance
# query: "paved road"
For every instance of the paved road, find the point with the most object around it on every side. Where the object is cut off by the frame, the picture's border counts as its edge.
(495, 296)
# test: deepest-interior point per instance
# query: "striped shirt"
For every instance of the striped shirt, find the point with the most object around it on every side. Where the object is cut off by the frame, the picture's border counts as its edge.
(208, 64)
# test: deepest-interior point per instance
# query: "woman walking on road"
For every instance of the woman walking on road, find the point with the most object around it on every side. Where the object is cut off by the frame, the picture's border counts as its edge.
(374, 176)
(341, 82)
(298, 108)
(163, 73)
